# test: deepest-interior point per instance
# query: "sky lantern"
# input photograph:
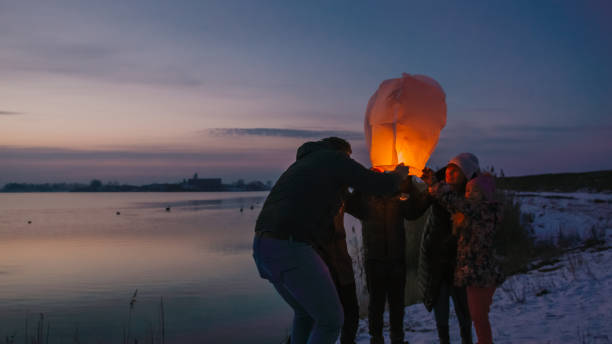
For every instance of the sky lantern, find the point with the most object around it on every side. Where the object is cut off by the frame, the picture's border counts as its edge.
(403, 121)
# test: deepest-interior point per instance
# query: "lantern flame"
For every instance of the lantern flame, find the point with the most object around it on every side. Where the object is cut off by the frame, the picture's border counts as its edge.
(403, 121)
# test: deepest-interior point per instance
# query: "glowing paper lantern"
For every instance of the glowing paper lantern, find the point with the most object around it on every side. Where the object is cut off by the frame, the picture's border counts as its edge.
(403, 121)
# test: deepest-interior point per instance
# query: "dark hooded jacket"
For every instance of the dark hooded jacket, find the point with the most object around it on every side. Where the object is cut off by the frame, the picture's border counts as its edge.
(335, 253)
(438, 252)
(382, 220)
(308, 195)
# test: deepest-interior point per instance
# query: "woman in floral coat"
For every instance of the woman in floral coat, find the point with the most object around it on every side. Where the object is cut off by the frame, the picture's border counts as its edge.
(475, 218)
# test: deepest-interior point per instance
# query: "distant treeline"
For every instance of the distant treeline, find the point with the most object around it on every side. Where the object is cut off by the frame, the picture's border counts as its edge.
(191, 185)
(599, 181)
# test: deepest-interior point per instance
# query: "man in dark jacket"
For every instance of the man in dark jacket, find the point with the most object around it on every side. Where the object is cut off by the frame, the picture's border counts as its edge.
(382, 219)
(296, 216)
(438, 254)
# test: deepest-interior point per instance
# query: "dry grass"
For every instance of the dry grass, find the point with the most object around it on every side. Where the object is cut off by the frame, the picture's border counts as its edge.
(153, 334)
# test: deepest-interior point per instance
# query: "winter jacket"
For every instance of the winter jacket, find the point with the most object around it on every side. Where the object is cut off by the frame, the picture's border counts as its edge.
(382, 220)
(335, 253)
(476, 265)
(307, 196)
(437, 253)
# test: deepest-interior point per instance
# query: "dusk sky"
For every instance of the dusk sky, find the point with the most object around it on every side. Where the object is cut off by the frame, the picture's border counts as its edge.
(153, 91)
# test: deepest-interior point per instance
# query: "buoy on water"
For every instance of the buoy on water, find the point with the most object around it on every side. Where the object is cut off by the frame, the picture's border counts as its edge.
(118, 213)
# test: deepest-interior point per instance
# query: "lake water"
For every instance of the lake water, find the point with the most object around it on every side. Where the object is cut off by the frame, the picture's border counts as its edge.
(79, 263)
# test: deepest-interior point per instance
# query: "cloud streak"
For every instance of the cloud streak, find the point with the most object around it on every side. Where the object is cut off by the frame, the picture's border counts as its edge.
(289, 133)
(552, 129)
(138, 164)
(135, 154)
(9, 113)
(485, 109)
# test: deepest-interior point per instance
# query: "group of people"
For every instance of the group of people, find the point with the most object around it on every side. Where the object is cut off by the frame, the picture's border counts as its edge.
(300, 244)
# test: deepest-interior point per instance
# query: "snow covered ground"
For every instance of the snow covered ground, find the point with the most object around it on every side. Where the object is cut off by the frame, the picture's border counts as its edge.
(573, 214)
(564, 302)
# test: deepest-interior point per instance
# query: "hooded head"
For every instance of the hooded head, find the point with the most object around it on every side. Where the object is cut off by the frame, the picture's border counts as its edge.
(339, 144)
(481, 188)
(329, 143)
(467, 163)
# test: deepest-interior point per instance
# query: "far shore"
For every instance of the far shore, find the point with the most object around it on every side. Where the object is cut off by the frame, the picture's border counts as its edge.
(597, 181)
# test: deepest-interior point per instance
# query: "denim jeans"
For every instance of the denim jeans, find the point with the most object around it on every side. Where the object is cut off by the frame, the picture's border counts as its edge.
(303, 280)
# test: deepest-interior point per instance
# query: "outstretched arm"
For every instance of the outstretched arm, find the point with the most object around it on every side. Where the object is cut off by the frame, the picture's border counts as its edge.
(350, 172)
(416, 205)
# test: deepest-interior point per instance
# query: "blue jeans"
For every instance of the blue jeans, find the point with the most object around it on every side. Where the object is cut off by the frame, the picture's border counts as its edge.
(302, 279)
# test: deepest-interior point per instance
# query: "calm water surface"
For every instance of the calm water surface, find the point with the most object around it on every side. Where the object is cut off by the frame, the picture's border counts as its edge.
(79, 263)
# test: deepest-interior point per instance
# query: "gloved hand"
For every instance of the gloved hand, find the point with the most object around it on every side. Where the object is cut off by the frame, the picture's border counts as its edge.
(402, 170)
(460, 221)
(438, 189)
(406, 186)
(429, 176)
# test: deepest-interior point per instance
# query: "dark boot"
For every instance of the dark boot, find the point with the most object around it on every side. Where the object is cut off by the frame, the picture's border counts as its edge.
(377, 340)
(466, 334)
(443, 334)
(399, 341)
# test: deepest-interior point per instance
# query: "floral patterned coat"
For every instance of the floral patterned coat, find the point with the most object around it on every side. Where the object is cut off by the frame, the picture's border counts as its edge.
(474, 224)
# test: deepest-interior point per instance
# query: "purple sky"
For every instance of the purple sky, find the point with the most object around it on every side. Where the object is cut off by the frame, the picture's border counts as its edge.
(153, 91)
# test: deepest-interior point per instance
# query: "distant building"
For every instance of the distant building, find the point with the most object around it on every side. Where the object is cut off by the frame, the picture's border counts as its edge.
(204, 184)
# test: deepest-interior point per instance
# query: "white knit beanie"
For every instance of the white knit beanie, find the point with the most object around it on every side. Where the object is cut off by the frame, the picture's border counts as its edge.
(467, 163)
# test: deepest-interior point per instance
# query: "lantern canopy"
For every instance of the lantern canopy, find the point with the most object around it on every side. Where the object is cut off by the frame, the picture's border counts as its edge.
(403, 121)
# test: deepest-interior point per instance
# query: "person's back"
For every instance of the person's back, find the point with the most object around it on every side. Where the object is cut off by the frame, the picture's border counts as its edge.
(382, 227)
(382, 219)
(309, 194)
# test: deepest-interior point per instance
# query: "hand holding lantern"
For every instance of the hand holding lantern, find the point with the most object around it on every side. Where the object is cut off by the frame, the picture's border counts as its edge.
(402, 170)
(429, 176)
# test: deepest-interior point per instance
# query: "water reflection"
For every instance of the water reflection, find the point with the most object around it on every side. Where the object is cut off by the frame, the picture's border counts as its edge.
(78, 262)
(207, 204)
